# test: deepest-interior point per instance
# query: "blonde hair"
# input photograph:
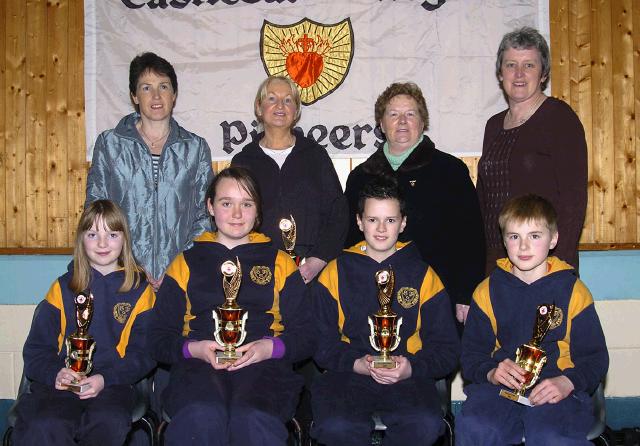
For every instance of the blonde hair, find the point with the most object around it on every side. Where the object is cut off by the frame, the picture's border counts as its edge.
(262, 93)
(113, 219)
(528, 208)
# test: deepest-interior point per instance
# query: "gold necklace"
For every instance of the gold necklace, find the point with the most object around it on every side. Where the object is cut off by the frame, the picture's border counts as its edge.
(149, 140)
(529, 113)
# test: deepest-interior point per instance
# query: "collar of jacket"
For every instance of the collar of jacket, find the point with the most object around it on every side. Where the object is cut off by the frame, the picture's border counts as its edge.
(126, 128)
(254, 149)
(378, 164)
(554, 265)
(254, 237)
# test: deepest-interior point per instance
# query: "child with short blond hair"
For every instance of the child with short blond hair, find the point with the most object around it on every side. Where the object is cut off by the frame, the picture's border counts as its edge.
(502, 317)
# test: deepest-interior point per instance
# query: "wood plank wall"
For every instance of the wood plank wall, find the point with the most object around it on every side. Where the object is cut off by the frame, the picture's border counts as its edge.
(595, 68)
(595, 53)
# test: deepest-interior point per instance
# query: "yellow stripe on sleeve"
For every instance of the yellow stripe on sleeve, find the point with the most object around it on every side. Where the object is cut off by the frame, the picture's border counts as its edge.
(329, 279)
(145, 303)
(482, 298)
(283, 268)
(179, 271)
(54, 297)
(431, 285)
(580, 299)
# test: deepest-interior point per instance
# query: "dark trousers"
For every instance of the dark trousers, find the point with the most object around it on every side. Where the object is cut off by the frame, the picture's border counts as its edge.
(486, 418)
(246, 407)
(343, 403)
(57, 417)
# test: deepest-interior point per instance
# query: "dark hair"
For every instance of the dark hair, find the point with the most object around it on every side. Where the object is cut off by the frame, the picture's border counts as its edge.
(246, 180)
(150, 62)
(523, 39)
(528, 207)
(381, 188)
(398, 88)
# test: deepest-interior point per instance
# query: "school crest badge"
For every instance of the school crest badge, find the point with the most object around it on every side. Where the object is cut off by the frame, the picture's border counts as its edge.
(556, 319)
(316, 56)
(407, 297)
(121, 311)
(260, 275)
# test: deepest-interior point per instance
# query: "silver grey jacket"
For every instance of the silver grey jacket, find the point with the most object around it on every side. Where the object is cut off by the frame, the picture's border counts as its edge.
(163, 218)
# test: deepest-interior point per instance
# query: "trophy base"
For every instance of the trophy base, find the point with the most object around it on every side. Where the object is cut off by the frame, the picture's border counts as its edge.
(77, 388)
(380, 362)
(227, 357)
(513, 396)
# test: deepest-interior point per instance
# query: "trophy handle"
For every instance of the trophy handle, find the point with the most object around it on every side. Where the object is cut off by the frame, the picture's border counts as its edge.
(242, 330)
(90, 359)
(216, 331)
(372, 336)
(398, 339)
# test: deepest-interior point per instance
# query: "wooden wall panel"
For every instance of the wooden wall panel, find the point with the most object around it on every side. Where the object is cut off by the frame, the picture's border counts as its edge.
(623, 121)
(3, 124)
(36, 125)
(15, 54)
(635, 13)
(57, 144)
(602, 99)
(76, 155)
(580, 88)
(595, 46)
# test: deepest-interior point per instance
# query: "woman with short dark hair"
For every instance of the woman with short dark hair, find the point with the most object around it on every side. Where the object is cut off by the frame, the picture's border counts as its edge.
(155, 170)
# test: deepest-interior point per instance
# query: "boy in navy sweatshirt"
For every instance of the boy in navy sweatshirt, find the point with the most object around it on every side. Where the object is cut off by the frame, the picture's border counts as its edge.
(502, 317)
(344, 397)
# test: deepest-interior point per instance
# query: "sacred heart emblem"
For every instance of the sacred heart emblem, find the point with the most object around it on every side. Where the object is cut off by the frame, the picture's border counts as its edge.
(315, 56)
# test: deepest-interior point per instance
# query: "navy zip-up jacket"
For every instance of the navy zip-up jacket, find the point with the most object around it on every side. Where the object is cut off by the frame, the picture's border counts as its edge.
(271, 291)
(502, 316)
(118, 327)
(347, 293)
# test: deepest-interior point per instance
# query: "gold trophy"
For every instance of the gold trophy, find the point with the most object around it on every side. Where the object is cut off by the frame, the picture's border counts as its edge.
(288, 229)
(80, 344)
(229, 319)
(385, 324)
(530, 356)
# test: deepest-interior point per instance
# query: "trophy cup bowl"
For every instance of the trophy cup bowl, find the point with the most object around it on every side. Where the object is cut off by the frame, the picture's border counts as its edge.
(384, 338)
(80, 344)
(531, 359)
(229, 319)
(79, 358)
(287, 228)
(229, 332)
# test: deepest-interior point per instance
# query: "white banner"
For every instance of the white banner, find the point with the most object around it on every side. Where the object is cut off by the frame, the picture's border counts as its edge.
(342, 54)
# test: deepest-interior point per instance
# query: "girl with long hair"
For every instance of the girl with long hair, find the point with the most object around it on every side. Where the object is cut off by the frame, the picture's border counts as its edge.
(116, 299)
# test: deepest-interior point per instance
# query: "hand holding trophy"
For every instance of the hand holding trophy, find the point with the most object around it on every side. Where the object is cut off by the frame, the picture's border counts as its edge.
(385, 324)
(530, 356)
(288, 229)
(229, 319)
(81, 345)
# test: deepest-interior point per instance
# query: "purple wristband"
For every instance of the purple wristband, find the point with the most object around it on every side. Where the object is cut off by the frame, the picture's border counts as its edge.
(278, 347)
(185, 349)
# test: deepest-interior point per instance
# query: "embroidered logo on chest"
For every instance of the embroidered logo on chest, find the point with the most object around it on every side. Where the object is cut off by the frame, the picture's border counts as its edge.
(407, 297)
(121, 311)
(260, 275)
(556, 319)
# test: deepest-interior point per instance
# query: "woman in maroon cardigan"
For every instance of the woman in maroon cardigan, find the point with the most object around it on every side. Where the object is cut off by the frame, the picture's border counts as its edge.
(537, 146)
